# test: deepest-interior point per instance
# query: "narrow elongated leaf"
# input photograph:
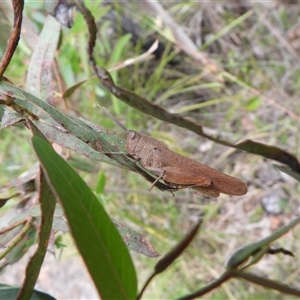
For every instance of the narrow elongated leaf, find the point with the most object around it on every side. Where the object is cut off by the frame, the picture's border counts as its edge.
(20, 249)
(39, 77)
(48, 202)
(270, 152)
(69, 141)
(97, 239)
(9, 292)
(243, 254)
(10, 118)
(69, 92)
(169, 258)
(135, 241)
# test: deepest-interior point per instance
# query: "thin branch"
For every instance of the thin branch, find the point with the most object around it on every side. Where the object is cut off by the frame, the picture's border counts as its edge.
(13, 41)
(208, 288)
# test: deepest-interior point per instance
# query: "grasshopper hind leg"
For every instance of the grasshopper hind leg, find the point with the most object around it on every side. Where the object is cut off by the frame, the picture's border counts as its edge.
(156, 171)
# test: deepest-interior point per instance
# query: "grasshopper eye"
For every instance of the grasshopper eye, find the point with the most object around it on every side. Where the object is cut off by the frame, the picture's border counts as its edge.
(132, 135)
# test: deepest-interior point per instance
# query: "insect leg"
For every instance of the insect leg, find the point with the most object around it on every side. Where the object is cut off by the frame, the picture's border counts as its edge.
(157, 171)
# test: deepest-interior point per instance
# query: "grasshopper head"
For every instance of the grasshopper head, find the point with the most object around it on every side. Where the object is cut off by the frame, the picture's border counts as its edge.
(132, 140)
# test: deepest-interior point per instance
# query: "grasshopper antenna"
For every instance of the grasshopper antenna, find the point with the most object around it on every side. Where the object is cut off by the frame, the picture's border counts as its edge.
(114, 119)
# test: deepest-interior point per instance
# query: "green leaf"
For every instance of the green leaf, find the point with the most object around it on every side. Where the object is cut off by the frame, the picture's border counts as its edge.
(48, 203)
(9, 292)
(10, 117)
(101, 182)
(251, 250)
(20, 249)
(70, 141)
(135, 241)
(39, 77)
(80, 163)
(69, 92)
(97, 239)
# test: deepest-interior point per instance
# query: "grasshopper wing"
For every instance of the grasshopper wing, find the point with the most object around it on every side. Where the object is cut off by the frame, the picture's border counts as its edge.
(184, 171)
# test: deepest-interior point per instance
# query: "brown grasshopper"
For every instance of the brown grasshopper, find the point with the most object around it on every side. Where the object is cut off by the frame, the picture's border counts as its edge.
(177, 170)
